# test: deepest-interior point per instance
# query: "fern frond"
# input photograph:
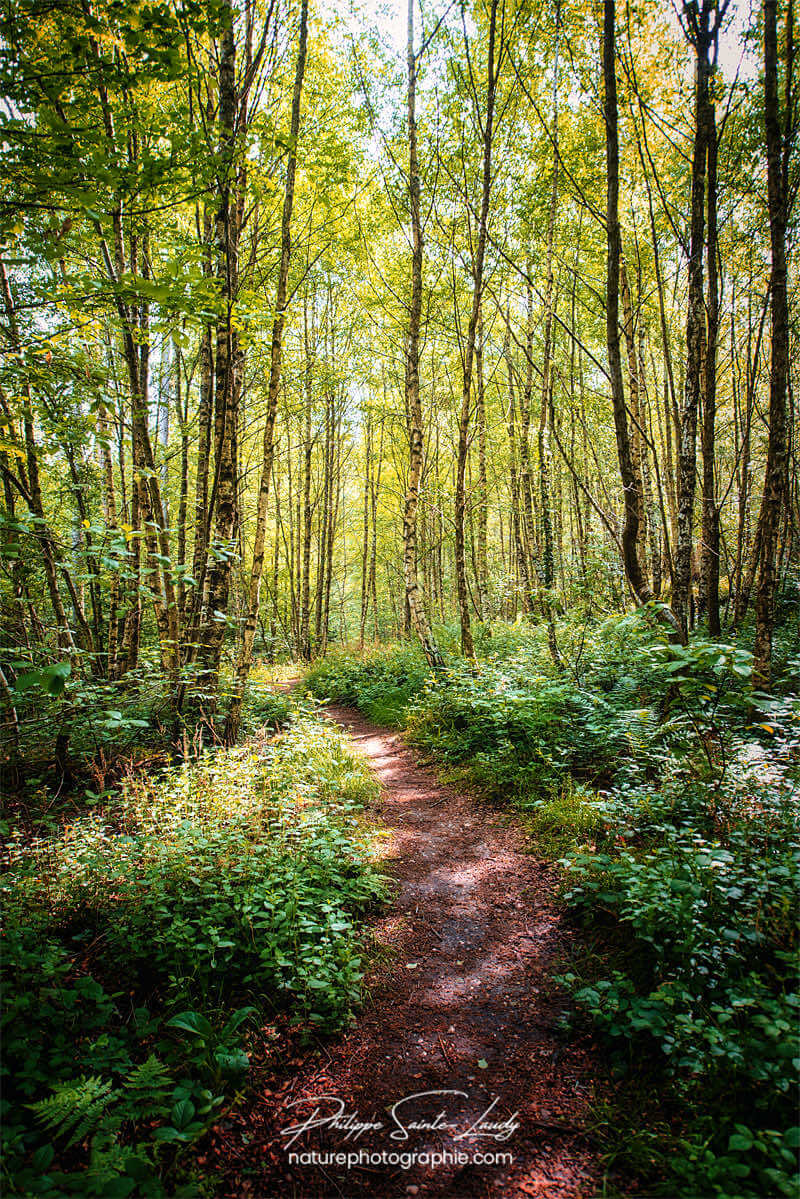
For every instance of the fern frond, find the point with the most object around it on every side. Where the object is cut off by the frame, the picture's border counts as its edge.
(147, 1087)
(76, 1108)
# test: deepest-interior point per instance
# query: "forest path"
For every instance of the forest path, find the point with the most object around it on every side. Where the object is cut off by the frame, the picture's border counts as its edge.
(462, 1003)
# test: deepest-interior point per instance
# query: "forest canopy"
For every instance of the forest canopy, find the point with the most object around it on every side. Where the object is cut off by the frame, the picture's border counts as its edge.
(307, 344)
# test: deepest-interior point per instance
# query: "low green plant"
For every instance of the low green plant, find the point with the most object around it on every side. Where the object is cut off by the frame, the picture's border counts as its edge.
(381, 682)
(266, 707)
(509, 728)
(565, 817)
(701, 878)
(144, 937)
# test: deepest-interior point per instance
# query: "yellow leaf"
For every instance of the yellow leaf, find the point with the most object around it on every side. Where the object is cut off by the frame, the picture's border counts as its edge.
(10, 447)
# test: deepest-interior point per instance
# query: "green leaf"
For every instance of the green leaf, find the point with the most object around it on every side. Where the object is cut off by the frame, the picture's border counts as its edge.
(118, 1188)
(182, 1113)
(167, 1134)
(238, 1018)
(232, 1062)
(43, 1157)
(191, 1022)
(50, 679)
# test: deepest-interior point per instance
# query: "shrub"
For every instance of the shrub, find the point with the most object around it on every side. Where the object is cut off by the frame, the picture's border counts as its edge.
(142, 938)
(380, 682)
(510, 730)
(699, 876)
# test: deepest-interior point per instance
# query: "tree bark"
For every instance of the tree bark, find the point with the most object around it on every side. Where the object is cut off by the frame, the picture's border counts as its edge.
(630, 528)
(482, 568)
(517, 515)
(306, 530)
(245, 654)
(697, 16)
(202, 515)
(365, 547)
(545, 491)
(227, 379)
(415, 601)
(710, 546)
(525, 482)
(468, 352)
(775, 477)
(634, 393)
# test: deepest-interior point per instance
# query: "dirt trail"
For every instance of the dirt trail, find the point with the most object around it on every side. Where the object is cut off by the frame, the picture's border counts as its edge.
(464, 1005)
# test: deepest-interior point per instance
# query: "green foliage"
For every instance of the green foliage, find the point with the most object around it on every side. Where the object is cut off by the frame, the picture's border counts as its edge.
(566, 816)
(266, 707)
(50, 679)
(146, 937)
(508, 728)
(380, 682)
(74, 1109)
(701, 879)
(101, 721)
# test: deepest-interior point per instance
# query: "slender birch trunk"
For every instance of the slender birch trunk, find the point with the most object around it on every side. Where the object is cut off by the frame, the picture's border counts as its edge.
(415, 601)
(487, 125)
(245, 654)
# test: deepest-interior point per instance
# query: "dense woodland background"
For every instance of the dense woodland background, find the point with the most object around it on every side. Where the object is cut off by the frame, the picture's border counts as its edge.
(323, 330)
(239, 284)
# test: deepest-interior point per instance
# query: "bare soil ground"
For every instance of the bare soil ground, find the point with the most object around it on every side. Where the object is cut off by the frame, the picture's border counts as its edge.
(461, 1005)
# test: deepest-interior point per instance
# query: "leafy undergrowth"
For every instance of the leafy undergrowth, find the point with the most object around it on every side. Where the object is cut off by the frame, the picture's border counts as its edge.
(79, 735)
(150, 942)
(380, 682)
(670, 795)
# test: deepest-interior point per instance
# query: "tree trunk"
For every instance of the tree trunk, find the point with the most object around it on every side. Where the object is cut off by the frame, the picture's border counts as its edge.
(467, 646)
(648, 442)
(630, 529)
(202, 514)
(306, 529)
(245, 654)
(365, 547)
(333, 518)
(415, 602)
(182, 414)
(482, 569)
(775, 476)
(700, 37)
(373, 551)
(636, 416)
(525, 483)
(709, 553)
(517, 515)
(227, 380)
